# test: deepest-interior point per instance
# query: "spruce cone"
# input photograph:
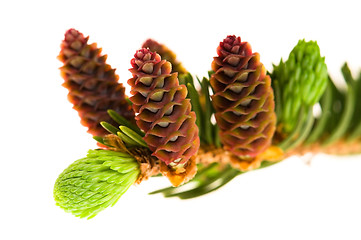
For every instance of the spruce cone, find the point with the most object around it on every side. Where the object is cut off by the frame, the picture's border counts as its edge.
(93, 85)
(166, 54)
(243, 99)
(302, 80)
(164, 113)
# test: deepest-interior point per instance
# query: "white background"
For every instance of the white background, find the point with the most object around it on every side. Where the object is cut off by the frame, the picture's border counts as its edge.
(41, 134)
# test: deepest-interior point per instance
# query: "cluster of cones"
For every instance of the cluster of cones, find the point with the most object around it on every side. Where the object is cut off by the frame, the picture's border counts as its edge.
(242, 98)
(235, 121)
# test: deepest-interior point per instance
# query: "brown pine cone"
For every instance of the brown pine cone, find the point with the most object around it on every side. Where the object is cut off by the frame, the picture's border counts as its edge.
(93, 85)
(243, 99)
(164, 112)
